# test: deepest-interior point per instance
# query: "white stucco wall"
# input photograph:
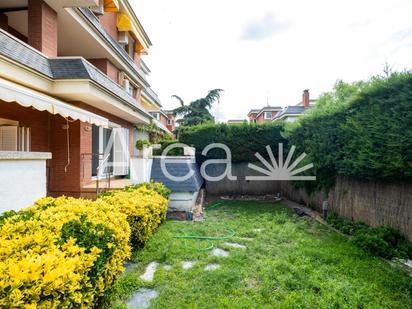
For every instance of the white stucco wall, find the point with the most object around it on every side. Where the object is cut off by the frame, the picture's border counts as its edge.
(22, 181)
(140, 169)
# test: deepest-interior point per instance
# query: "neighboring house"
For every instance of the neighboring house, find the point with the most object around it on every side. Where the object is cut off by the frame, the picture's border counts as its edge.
(171, 121)
(72, 88)
(292, 113)
(266, 114)
(162, 119)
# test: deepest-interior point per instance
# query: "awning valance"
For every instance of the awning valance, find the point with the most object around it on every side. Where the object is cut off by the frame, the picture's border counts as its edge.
(124, 23)
(111, 6)
(10, 92)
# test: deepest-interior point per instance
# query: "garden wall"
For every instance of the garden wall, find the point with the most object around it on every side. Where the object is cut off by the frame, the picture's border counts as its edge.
(373, 202)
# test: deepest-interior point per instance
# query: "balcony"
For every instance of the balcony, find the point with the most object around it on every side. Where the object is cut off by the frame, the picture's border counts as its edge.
(72, 78)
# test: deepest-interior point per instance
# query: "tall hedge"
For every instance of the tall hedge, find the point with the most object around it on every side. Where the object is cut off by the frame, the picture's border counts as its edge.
(244, 140)
(369, 137)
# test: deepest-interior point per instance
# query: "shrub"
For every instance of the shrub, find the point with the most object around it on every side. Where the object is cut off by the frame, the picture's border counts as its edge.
(145, 209)
(362, 130)
(166, 142)
(382, 241)
(67, 252)
(62, 252)
(141, 143)
(244, 140)
(152, 185)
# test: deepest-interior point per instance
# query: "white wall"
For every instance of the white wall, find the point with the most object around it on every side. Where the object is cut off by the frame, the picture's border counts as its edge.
(22, 182)
(140, 169)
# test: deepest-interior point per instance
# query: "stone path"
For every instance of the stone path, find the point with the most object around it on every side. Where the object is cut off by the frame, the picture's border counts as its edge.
(142, 298)
(220, 252)
(212, 267)
(188, 264)
(149, 273)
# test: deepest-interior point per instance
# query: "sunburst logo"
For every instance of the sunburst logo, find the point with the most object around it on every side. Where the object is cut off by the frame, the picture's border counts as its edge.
(280, 170)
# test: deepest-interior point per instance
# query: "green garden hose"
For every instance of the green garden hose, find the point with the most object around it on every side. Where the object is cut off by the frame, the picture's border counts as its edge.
(207, 238)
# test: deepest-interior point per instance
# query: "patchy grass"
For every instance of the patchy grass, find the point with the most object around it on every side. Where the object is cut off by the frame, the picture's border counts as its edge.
(291, 262)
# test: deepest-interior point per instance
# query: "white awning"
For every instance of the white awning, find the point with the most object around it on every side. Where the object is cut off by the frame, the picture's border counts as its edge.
(27, 97)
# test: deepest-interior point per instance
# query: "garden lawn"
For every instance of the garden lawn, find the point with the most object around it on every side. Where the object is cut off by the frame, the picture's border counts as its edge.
(289, 262)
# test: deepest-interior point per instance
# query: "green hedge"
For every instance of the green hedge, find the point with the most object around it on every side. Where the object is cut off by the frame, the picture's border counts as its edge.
(368, 137)
(244, 140)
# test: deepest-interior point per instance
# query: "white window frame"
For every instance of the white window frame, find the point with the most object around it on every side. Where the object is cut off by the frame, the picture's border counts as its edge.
(265, 115)
(170, 122)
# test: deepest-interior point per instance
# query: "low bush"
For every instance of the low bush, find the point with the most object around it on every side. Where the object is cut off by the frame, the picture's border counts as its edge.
(381, 241)
(152, 185)
(144, 207)
(66, 252)
(63, 252)
(166, 142)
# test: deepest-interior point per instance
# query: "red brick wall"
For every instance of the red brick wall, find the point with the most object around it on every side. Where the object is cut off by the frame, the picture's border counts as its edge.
(112, 118)
(42, 27)
(109, 22)
(107, 68)
(28, 117)
(172, 127)
(62, 180)
(262, 119)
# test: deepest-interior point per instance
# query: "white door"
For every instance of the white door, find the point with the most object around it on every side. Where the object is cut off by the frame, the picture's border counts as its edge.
(121, 156)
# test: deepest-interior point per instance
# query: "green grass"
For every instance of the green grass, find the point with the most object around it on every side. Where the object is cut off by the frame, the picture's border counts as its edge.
(291, 263)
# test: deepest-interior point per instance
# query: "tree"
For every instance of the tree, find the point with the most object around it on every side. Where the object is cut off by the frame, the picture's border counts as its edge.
(197, 112)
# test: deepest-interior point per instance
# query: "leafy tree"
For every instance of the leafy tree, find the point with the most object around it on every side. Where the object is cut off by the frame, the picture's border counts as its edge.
(197, 112)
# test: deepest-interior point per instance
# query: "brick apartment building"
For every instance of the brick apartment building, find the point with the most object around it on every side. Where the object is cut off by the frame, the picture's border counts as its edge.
(73, 86)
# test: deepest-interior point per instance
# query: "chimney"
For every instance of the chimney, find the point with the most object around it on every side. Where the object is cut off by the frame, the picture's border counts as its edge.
(305, 98)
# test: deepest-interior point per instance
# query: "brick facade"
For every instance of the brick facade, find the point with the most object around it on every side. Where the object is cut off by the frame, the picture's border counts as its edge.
(107, 68)
(42, 27)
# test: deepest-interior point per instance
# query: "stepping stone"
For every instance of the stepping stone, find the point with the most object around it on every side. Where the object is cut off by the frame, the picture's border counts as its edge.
(212, 267)
(188, 264)
(235, 245)
(149, 273)
(142, 298)
(167, 267)
(220, 252)
(257, 230)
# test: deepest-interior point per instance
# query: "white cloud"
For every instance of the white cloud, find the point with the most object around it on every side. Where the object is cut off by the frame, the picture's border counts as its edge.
(197, 47)
(263, 28)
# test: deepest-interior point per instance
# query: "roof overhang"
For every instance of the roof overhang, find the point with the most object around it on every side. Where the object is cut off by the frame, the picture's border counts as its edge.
(11, 92)
(86, 91)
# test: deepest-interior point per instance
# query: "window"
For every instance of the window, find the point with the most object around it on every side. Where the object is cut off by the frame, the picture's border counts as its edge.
(13, 137)
(268, 115)
(157, 116)
(170, 122)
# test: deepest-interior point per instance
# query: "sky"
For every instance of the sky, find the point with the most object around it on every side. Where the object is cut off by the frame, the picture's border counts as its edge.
(269, 51)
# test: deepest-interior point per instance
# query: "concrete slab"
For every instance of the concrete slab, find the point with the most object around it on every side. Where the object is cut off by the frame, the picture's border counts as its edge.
(142, 298)
(188, 264)
(212, 267)
(150, 271)
(220, 252)
(235, 245)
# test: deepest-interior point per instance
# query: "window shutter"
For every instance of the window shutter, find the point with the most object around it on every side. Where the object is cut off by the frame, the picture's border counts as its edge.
(9, 136)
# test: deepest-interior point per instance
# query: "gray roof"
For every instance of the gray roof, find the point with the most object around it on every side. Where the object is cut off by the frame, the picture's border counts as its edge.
(62, 68)
(292, 110)
(193, 184)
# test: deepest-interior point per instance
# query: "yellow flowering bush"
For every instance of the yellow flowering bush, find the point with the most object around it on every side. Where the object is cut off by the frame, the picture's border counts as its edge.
(65, 252)
(47, 260)
(145, 210)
